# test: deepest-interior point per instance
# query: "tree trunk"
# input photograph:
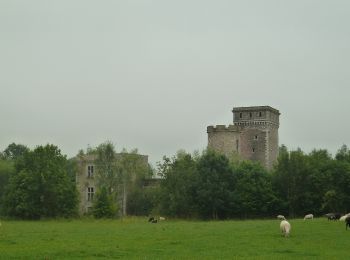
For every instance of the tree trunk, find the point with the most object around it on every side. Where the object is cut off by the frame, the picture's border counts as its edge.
(124, 199)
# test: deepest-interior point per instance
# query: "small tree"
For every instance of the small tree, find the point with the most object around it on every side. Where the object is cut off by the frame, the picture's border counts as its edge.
(107, 171)
(107, 174)
(119, 173)
(103, 205)
(132, 169)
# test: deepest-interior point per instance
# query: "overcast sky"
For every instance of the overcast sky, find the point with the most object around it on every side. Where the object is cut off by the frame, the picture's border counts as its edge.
(153, 74)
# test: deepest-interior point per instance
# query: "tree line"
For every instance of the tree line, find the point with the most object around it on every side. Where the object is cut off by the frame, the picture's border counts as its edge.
(211, 186)
(40, 183)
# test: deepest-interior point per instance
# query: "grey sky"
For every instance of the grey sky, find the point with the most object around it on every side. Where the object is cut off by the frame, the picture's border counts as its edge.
(153, 74)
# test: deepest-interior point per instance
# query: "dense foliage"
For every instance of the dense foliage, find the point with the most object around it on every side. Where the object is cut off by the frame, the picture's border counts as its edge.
(312, 182)
(6, 170)
(39, 186)
(210, 186)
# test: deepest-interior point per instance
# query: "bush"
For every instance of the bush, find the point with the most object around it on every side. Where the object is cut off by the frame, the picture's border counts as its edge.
(103, 205)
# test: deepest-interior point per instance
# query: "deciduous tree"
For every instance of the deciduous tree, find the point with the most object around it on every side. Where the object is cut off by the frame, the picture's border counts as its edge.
(253, 194)
(41, 186)
(14, 151)
(215, 185)
(177, 185)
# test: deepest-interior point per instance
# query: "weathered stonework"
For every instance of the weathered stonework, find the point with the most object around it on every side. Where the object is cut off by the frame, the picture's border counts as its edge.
(253, 135)
(86, 182)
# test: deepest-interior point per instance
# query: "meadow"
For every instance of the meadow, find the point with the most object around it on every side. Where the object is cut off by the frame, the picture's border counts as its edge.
(135, 238)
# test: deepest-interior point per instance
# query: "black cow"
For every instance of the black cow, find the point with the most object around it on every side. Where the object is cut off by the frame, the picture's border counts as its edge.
(153, 220)
(333, 216)
(347, 222)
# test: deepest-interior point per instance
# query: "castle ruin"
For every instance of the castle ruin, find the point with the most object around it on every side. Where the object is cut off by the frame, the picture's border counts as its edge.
(253, 135)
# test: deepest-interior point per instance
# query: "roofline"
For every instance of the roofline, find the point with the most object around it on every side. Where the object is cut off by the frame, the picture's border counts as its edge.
(255, 108)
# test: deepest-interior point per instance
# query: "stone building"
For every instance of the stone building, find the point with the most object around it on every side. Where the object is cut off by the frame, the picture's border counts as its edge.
(253, 135)
(86, 182)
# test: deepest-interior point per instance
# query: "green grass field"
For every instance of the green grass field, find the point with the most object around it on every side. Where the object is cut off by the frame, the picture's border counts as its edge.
(135, 238)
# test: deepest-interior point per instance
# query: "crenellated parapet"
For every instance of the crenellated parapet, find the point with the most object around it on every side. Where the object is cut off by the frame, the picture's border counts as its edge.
(223, 128)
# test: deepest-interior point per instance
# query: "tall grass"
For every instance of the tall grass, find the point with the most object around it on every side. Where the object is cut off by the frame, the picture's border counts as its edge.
(135, 238)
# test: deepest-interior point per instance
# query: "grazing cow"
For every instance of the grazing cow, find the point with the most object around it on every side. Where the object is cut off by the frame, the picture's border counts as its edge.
(342, 218)
(329, 214)
(161, 218)
(285, 228)
(333, 216)
(347, 222)
(150, 219)
(281, 217)
(309, 216)
(336, 216)
(154, 221)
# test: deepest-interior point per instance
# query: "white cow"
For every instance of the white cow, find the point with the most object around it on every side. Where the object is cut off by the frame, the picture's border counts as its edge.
(281, 217)
(344, 217)
(309, 216)
(285, 228)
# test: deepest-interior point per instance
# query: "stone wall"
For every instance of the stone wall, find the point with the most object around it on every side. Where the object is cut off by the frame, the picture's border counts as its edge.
(253, 145)
(83, 182)
(224, 139)
(254, 134)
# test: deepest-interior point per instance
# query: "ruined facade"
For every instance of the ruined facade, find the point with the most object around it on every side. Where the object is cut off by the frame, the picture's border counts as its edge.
(253, 135)
(86, 180)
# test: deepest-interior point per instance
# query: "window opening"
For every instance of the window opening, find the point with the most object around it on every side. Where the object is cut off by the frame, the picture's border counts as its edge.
(91, 193)
(90, 171)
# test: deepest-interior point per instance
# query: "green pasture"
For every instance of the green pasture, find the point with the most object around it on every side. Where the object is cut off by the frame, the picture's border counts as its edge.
(135, 238)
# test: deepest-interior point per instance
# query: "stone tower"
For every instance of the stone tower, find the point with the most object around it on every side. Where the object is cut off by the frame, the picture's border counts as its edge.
(253, 135)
